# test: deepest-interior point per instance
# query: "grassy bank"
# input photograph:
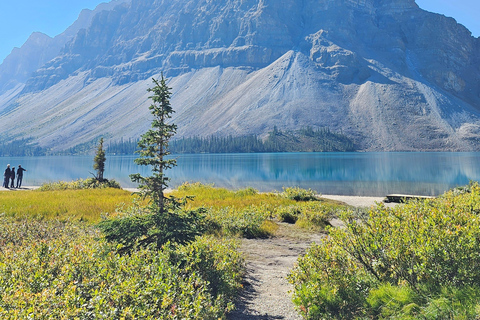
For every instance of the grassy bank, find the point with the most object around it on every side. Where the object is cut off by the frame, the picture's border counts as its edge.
(86, 205)
(244, 209)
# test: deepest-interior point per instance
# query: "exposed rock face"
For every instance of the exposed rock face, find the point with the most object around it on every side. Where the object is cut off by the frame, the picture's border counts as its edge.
(18, 66)
(387, 73)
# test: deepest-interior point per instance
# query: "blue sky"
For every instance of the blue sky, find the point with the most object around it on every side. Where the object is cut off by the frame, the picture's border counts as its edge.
(19, 18)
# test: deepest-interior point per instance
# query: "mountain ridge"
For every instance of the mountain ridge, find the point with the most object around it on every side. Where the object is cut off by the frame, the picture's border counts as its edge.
(41, 48)
(384, 72)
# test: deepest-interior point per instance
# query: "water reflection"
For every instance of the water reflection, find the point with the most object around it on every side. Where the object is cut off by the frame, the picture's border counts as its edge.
(369, 174)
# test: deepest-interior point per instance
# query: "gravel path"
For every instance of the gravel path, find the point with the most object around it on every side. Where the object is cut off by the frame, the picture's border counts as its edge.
(266, 295)
(268, 262)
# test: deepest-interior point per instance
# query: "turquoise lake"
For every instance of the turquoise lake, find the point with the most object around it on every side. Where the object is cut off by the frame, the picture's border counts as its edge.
(363, 174)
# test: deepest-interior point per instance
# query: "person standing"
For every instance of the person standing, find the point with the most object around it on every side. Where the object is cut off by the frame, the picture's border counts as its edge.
(6, 176)
(12, 178)
(20, 175)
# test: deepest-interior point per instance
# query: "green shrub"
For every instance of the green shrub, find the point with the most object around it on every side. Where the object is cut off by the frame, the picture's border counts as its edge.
(299, 194)
(191, 187)
(388, 301)
(246, 192)
(453, 303)
(54, 270)
(288, 214)
(89, 183)
(329, 284)
(309, 215)
(418, 256)
(217, 262)
(401, 302)
(247, 222)
(316, 214)
(179, 226)
(92, 183)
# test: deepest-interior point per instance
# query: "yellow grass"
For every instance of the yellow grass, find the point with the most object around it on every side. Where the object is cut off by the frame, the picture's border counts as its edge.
(85, 205)
(212, 197)
(233, 210)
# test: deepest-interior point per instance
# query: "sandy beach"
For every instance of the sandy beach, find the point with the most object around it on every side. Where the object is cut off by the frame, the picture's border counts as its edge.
(359, 201)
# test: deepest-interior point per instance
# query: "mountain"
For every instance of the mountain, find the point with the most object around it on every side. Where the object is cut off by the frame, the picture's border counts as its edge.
(40, 48)
(384, 72)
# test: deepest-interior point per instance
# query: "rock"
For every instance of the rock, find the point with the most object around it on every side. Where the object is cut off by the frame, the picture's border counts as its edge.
(385, 72)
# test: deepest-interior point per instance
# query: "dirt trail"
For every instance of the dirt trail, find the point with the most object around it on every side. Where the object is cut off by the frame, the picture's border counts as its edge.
(267, 292)
(266, 295)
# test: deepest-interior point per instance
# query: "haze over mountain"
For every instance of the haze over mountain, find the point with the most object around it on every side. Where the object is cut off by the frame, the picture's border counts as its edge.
(384, 72)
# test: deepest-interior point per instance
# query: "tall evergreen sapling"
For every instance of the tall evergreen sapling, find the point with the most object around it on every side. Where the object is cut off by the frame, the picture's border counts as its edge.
(99, 162)
(154, 148)
(165, 218)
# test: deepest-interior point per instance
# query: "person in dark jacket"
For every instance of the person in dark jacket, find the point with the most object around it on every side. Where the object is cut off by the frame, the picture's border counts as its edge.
(6, 176)
(12, 178)
(20, 175)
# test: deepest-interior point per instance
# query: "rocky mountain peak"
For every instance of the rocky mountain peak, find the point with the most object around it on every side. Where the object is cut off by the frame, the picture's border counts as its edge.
(41, 48)
(352, 65)
(37, 38)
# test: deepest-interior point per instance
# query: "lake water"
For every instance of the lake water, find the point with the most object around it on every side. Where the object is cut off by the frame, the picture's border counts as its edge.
(365, 174)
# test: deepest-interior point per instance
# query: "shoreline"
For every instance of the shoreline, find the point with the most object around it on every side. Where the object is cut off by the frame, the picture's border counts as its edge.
(359, 201)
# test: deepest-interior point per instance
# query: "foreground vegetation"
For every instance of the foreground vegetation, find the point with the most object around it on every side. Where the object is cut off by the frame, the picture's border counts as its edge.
(55, 263)
(250, 214)
(63, 204)
(61, 270)
(417, 261)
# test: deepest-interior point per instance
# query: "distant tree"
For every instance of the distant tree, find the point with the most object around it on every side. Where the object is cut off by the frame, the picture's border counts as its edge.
(129, 146)
(99, 161)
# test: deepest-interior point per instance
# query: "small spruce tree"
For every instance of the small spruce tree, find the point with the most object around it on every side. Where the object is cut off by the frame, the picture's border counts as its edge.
(99, 162)
(153, 148)
(165, 218)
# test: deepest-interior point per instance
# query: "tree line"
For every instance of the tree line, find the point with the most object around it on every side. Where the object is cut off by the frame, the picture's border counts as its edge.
(21, 148)
(306, 139)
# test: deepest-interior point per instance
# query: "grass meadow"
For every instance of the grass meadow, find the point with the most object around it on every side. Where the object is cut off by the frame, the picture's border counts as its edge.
(84, 205)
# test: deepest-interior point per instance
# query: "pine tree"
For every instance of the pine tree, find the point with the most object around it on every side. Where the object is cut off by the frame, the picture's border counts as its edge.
(165, 219)
(99, 162)
(154, 147)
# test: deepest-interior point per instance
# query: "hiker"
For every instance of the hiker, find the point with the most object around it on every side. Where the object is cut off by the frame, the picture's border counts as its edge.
(20, 175)
(6, 176)
(12, 178)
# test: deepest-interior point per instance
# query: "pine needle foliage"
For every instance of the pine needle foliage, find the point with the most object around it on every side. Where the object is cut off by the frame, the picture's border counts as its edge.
(99, 161)
(153, 147)
(165, 219)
